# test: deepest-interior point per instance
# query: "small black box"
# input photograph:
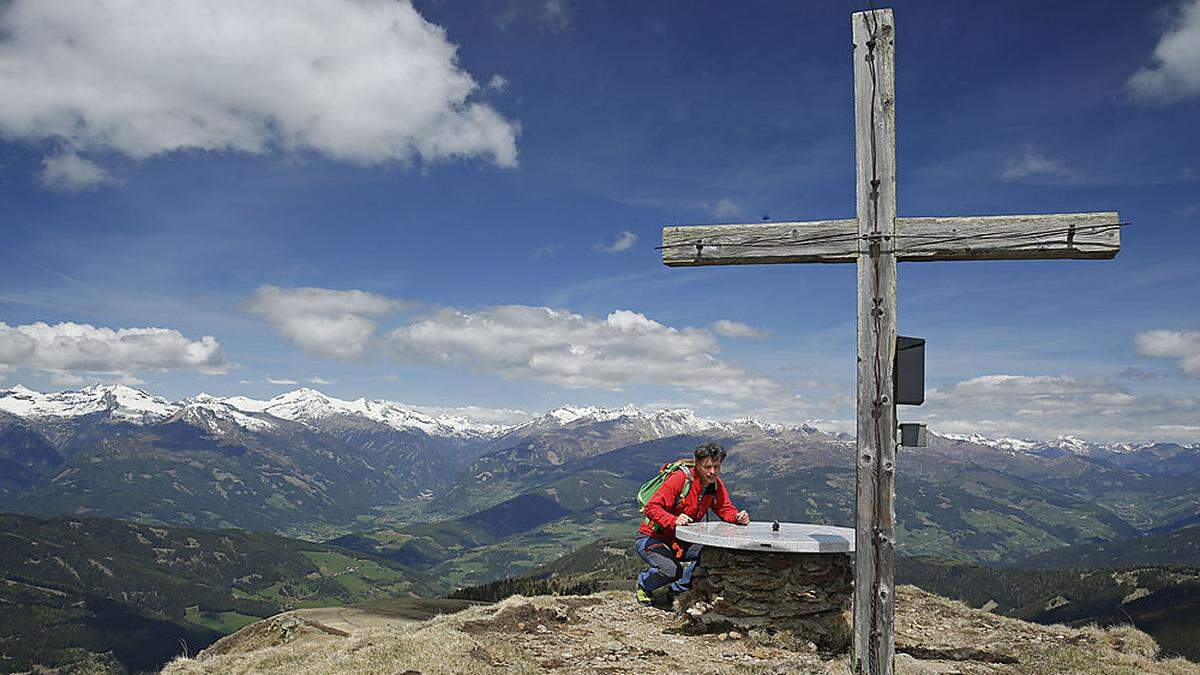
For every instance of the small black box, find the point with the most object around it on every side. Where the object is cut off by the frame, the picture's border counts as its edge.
(910, 371)
(912, 435)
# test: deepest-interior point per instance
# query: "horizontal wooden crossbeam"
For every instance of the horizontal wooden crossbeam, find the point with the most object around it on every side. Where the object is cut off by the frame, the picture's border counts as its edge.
(1050, 236)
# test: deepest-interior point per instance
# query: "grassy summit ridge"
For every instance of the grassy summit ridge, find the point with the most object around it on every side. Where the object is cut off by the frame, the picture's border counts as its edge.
(608, 633)
(1163, 600)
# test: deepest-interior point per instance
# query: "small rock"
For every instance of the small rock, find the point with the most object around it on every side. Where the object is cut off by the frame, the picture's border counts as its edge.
(723, 637)
(734, 635)
(568, 655)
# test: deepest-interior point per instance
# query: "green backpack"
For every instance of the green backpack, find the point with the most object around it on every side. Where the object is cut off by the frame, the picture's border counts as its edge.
(651, 486)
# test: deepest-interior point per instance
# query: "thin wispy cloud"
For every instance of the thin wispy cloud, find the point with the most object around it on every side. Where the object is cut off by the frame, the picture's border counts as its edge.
(1033, 164)
(1173, 73)
(1143, 374)
(551, 15)
(590, 288)
(725, 208)
(623, 241)
(368, 83)
(281, 380)
(547, 251)
(498, 84)
(318, 380)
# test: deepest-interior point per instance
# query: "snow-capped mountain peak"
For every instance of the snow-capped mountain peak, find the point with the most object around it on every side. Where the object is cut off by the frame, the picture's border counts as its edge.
(216, 416)
(772, 427)
(118, 401)
(1072, 443)
(1062, 445)
(680, 420)
(663, 422)
(1003, 443)
(309, 406)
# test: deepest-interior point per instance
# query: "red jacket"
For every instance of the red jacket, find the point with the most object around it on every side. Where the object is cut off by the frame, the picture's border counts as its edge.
(661, 508)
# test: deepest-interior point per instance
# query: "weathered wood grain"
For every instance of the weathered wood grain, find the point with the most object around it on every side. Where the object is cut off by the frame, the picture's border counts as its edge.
(761, 243)
(1047, 236)
(1009, 237)
(874, 516)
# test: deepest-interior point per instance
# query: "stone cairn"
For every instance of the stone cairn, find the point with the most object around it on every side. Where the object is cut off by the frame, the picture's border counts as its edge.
(805, 594)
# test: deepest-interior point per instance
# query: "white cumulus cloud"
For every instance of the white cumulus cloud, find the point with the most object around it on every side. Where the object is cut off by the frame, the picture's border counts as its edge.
(571, 350)
(337, 323)
(362, 81)
(68, 172)
(1183, 345)
(623, 242)
(69, 350)
(737, 329)
(1174, 70)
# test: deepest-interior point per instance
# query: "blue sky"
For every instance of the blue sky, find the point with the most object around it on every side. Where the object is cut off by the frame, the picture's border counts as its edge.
(455, 204)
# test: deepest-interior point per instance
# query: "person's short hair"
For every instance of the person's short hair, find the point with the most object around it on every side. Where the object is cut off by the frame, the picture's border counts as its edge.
(710, 449)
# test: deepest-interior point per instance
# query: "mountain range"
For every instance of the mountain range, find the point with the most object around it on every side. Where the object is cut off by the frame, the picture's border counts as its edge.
(124, 404)
(299, 463)
(432, 490)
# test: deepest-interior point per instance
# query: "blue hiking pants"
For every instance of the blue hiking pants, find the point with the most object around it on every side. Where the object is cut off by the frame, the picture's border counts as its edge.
(665, 568)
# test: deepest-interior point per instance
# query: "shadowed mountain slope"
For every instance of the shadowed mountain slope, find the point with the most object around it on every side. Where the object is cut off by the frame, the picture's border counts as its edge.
(76, 589)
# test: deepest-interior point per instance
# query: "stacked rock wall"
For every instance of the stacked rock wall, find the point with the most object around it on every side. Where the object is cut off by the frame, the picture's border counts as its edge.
(808, 594)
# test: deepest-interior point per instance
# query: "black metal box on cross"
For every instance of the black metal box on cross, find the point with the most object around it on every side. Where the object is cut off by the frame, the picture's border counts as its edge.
(910, 371)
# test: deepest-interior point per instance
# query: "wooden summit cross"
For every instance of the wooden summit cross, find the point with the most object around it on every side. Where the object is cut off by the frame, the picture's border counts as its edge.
(876, 240)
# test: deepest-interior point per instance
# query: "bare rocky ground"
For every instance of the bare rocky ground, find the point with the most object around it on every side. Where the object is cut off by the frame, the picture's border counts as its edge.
(609, 633)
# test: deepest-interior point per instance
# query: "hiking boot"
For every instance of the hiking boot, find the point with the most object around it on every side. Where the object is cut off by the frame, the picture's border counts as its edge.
(643, 597)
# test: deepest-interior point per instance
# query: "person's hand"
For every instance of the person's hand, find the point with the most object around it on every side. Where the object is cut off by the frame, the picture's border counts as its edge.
(682, 519)
(743, 518)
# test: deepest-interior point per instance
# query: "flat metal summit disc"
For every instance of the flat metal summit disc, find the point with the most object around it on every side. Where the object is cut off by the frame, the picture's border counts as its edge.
(790, 538)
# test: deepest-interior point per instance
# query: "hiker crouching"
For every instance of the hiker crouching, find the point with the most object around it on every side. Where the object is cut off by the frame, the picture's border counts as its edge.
(682, 493)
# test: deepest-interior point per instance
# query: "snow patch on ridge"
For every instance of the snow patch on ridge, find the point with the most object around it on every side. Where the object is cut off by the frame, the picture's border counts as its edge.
(1064, 444)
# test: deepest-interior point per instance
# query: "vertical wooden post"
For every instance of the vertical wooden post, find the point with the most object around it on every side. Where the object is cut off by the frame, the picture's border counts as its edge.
(875, 151)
